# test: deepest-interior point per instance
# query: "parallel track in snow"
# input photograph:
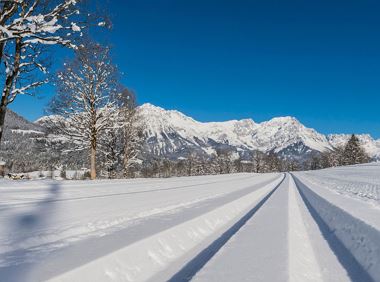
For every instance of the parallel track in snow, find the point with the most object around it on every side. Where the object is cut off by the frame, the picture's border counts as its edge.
(305, 262)
(275, 228)
(56, 186)
(200, 260)
(351, 262)
(146, 258)
(61, 260)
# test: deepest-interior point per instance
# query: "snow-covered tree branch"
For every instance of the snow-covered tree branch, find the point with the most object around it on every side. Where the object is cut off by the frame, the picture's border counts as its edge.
(27, 29)
(85, 98)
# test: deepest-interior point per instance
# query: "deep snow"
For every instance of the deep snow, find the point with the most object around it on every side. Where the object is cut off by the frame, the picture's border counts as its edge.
(310, 226)
(40, 219)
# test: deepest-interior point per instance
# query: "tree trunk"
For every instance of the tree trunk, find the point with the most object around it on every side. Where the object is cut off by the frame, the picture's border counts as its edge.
(93, 162)
(93, 136)
(126, 157)
(3, 111)
(126, 167)
(8, 85)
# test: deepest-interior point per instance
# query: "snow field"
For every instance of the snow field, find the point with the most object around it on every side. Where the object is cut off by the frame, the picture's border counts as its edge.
(211, 228)
(355, 243)
(141, 260)
(360, 181)
(322, 241)
(50, 227)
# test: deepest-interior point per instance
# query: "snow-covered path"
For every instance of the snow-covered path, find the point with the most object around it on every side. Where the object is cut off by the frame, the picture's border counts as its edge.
(247, 256)
(276, 245)
(49, 228)
(242, 227)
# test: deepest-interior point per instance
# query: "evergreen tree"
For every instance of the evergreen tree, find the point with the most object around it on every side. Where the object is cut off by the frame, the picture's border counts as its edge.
(353, 152)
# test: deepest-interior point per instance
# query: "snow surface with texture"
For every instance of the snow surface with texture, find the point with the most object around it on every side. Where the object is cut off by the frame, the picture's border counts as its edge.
(307, 226)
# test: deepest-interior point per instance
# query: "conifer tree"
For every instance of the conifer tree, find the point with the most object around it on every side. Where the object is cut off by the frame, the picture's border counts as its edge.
(353, 152)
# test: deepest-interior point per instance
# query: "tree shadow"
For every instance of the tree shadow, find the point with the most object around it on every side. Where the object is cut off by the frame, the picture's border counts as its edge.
(39, 214)
(23, 229)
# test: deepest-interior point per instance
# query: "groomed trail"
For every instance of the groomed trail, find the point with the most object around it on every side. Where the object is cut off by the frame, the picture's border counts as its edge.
(238, 227)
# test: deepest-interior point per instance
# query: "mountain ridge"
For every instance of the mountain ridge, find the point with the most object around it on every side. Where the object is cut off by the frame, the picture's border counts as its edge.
(170, 131)
(172, 134)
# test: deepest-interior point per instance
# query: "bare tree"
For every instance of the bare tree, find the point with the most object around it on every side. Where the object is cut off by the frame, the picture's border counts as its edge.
(132, 130)
(109, 145)
(121, 143)
(238, 165)
(332, 158)
(85, 97)
(192, 163)
(257, 159)
(224, 160)
(272, 162)
(27, 29)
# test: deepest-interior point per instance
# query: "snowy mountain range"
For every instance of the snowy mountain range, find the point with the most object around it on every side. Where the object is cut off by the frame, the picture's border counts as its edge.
(170, 133)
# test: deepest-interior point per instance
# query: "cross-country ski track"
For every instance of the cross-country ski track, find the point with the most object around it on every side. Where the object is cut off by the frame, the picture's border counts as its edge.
(237, 227)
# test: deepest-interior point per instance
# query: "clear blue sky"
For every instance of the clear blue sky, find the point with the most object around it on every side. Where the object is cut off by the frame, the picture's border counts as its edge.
(217, 60)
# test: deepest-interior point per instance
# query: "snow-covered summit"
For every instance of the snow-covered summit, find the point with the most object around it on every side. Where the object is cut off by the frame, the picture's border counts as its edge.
(170, 126)
(276, 134)
(281, 132)
(173, 134)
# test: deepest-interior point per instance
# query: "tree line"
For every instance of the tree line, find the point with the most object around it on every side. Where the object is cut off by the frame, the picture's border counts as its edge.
(350, 154)
(224, 161)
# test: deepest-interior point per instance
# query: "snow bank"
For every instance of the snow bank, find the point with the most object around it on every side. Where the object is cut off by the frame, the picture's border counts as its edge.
(355, 242)
(143, 259)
